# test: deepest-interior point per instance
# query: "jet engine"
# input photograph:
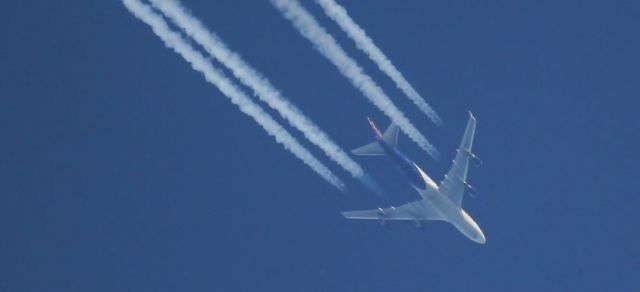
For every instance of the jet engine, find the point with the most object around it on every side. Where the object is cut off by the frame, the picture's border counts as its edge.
(420, 226)
(472, 191)
(383, 221)
(476, 160)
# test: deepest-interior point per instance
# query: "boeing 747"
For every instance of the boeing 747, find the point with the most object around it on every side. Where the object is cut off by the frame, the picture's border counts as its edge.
(439, 202)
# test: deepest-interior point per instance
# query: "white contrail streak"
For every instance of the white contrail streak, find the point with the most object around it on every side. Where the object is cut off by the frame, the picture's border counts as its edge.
(260, 85)
(327, 46)
(199, 63)
(339, 14)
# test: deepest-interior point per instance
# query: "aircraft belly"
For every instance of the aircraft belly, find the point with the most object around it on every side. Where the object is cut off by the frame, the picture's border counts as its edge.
(457, 217)
(443, 206)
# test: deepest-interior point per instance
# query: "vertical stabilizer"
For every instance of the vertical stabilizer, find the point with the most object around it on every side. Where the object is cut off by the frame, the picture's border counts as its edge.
(390, 135)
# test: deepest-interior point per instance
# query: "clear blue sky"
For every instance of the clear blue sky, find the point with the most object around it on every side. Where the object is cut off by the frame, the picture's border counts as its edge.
(123, 170)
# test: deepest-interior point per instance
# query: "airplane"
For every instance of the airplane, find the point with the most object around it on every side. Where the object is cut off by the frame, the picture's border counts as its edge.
(439, 202)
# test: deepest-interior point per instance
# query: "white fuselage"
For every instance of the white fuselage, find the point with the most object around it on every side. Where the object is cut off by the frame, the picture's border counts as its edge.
(448, 210)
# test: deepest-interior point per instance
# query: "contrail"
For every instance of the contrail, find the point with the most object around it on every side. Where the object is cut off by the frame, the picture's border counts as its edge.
(198, 62)
(261, 87)
(339, 14)
(327, 46)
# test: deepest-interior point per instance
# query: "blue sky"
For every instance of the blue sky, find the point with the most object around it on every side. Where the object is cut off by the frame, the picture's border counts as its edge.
(124, 170)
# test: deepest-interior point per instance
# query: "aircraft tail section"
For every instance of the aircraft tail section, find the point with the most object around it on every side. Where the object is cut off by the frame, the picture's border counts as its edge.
(371, 149)
(390, 137)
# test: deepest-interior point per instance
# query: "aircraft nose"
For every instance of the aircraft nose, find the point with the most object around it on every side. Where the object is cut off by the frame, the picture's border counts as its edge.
(480, 238)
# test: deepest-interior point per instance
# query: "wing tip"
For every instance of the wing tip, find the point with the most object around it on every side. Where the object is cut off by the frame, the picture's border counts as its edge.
(471, 116)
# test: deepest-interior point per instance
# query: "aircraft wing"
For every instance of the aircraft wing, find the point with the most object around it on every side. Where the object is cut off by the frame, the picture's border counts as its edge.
(417, 210)
(453, 184)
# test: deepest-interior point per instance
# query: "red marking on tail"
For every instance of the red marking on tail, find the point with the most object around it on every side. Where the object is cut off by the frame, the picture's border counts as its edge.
(374, 127)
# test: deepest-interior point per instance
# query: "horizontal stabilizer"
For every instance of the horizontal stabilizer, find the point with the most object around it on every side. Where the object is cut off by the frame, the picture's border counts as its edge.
(369, 149)
(390, 137)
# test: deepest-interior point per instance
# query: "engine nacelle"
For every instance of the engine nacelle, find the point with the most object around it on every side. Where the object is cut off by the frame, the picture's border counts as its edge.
(472, 191)
(383, 221)
(420, 225)
(476, 160)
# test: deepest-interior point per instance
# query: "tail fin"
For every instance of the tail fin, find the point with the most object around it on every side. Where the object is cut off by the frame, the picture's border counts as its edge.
(390, 137)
